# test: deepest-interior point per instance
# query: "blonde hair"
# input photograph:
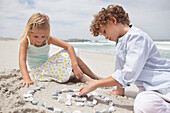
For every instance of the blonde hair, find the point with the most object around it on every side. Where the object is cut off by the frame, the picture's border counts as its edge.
(39, 21)
(105, 15)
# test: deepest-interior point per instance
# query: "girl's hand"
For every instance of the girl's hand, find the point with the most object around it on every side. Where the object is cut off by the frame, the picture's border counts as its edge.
(78, 73)
(27, 83)
(88, 88)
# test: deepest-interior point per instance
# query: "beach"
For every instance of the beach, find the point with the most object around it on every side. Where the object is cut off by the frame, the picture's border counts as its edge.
(12, 100)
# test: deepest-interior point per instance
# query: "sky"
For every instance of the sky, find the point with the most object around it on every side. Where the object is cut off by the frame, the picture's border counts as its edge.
(72, 18)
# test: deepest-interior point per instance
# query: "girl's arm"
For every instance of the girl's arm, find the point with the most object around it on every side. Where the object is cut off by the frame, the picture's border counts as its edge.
(106, 82)
(77, 71)
(22, 63)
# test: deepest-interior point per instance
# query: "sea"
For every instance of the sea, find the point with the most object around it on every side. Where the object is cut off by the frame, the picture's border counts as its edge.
(108, 47)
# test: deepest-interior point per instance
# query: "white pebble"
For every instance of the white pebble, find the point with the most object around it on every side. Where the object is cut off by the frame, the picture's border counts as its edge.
(31, 91)
(112, 108)
(60, 99)
(80, 104)
(69, 97)
(27, 95)
(56, 110)
(29, 99)
(68, 103)
(94, 101)
(77, 111)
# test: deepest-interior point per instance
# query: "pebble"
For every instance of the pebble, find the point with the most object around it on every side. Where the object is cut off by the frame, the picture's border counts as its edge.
(49, 108)
(102, 97)
(80, 104)
(68, 103)
(31, 91)
(67, 112)
(37, 88)
(112, 108)
(77, 111)
(55, 97)
(58, 91)
(29, 99)
(84, 99)
(69, 97)
(105, 111)
(27, 95)
(91, 97)
(90, 104)
(55, 94)
(94, 102)
(56, 110)
(60, 99)
(40, 104)
(42, 86)
(34, 102)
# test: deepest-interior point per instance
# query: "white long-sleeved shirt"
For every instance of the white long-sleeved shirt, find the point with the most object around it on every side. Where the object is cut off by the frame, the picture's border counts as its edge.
(138, 61)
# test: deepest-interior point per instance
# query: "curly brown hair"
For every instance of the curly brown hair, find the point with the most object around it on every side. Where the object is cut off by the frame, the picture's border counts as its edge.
(104, 16)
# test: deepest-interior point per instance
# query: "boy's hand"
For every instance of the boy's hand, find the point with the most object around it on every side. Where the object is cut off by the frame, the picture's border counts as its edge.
(78, 73)
(27, 83)
(88, 88)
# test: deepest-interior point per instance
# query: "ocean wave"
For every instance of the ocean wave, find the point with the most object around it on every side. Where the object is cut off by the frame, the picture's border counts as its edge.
(92, 43)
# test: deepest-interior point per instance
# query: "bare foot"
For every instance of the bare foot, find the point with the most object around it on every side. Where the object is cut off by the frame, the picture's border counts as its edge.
(99, 78)
(119, 91)
(86, 79)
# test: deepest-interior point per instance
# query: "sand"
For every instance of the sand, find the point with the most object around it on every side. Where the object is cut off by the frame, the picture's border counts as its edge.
(11, 93)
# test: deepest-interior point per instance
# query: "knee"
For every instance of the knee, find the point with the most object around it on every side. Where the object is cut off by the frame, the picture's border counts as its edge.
(149, 102)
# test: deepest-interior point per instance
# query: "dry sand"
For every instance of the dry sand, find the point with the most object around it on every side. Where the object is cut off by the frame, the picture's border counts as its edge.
(12, 94)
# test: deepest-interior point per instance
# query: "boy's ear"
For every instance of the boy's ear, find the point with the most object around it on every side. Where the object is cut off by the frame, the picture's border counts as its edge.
(114, 20)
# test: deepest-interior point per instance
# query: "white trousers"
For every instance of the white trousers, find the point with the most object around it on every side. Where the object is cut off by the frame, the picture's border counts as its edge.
(153, 101)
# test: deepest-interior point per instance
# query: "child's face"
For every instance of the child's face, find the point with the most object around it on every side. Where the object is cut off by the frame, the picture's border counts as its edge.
(38, 36)
(110, 31)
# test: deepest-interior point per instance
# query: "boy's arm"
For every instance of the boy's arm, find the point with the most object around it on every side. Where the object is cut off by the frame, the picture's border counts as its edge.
(107, 82)
(22, 63)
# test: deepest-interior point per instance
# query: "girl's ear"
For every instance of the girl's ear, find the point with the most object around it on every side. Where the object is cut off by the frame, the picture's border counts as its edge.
(114, 20)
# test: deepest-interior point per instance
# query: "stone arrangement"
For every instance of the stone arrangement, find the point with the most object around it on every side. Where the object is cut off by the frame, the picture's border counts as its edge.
(71, 96)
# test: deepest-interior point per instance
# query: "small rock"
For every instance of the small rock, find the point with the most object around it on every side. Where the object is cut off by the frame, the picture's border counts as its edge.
(68, 103)
(90, 104)
(34, 102)
(94, 102)
(55, 97)
(77, 111)
(40, 104)
(37, 88)
(29, 99)
(31, 91)
(27, 95)
(56, 110)
(112, 108)
(69, 97)
(105, 111)
(49, 108)
(60, 99)
(58, 91)
(55, 94)
(80, 104)
(42, 87)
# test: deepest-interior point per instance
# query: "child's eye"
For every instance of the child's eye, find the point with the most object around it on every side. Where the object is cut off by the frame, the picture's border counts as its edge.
(43, 37)
(35, 36)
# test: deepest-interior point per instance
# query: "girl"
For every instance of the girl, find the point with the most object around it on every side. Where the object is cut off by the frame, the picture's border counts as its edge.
(137, 61)
(34, 48)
